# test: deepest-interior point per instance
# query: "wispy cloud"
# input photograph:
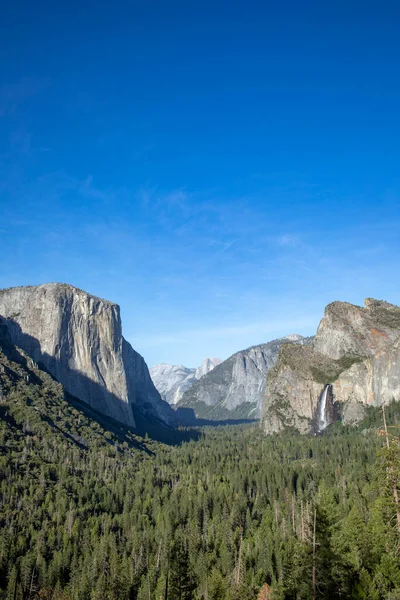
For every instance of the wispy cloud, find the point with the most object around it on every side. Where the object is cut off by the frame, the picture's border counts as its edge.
(52, 186)
(289, 240)
(226, 246)
(261, 329)
(151, 196)
(87, 189)
(145, 195)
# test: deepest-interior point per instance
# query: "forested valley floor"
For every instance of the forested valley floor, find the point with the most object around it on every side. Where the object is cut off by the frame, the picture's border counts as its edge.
(90, 514)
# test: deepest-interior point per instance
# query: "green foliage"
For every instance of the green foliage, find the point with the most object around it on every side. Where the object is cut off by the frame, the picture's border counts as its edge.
(218, 412)
(310, 364)
(91, 513)
(330, 371)
(387, 316)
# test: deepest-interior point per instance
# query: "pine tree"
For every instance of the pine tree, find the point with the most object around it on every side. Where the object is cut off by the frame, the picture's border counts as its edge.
(181, 584)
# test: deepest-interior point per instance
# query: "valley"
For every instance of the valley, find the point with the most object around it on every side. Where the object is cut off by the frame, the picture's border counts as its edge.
(199, 306)
(96, 504)
(92, 512)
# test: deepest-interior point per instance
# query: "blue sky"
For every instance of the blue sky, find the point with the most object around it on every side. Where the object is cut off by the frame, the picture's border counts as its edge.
(221, 170)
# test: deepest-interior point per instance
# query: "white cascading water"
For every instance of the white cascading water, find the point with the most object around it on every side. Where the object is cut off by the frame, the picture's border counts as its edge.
(322, 419)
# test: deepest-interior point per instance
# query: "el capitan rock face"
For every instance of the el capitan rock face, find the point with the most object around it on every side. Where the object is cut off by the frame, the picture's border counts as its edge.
(356, 350)
(78, 339)
(235, 388)
(173, 380)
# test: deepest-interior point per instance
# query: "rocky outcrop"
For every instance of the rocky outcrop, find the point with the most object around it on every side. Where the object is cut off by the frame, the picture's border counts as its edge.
(356, 349)
(206, 366)
(349, 330)
(235, 388)
(173, 380)
(78, 339)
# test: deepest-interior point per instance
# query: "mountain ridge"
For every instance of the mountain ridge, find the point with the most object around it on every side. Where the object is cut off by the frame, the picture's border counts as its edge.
(235, 388)
(173, 380)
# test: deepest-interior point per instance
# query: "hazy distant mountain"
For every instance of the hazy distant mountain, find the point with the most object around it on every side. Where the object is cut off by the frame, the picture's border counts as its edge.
(236, 387)
(172, 381)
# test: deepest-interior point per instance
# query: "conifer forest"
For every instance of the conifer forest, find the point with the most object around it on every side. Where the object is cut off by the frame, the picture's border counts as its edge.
(218, 513)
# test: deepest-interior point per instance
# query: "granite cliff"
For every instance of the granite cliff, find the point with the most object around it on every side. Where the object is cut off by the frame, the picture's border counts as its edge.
(173, 380)
(235, 388)
(353, 362)
(78, 338)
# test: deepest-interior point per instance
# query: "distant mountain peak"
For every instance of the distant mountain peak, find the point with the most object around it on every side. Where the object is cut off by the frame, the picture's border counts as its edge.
(293, 337)
(206, 366)
(173, 380)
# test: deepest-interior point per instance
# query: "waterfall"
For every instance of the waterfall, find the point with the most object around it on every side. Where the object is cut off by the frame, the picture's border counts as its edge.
(322, 416)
